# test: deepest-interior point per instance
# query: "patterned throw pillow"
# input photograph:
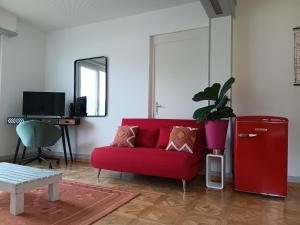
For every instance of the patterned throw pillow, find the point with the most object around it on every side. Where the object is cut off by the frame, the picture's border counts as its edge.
(125, 136)
(182, 139)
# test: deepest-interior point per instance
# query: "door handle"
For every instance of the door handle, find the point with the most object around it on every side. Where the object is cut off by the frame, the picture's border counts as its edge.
(157, 106)
(247, 135)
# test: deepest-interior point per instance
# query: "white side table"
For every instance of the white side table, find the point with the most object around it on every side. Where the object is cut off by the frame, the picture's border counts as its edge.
(209, 182)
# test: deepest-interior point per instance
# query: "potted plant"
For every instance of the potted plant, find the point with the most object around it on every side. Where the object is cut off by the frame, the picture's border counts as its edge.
(215, 115)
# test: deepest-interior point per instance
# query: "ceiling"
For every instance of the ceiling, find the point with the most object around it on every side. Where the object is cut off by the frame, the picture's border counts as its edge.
(58, 14)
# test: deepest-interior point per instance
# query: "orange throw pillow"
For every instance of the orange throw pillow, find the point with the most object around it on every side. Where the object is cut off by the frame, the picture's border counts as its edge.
(182, 139)
(125, 136)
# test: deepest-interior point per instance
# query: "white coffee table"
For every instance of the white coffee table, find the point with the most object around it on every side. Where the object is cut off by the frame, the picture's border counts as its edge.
(17, 179)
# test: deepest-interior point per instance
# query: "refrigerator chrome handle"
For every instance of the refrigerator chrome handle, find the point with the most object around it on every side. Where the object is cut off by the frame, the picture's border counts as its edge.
(247, 135)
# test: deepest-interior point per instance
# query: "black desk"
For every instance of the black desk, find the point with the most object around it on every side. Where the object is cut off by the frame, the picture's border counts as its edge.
(63, 123)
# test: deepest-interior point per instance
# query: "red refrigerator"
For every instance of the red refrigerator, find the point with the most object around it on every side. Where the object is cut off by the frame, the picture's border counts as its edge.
(260, 155)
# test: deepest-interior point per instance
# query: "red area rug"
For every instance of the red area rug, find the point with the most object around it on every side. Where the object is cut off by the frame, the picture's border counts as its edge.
(79, 204)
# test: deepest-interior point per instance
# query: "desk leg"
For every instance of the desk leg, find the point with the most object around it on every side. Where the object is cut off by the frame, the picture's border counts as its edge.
(17, 150)
(68, 140)
(64, 143)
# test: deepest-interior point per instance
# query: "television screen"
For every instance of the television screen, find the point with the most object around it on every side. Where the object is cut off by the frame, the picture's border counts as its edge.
(43, 103)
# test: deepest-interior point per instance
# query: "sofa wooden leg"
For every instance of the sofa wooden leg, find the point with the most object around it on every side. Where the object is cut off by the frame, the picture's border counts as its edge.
(98, 176)
(184, 185)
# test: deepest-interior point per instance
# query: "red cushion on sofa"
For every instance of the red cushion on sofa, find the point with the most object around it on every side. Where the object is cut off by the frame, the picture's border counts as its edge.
(146, 138)
(164, 135)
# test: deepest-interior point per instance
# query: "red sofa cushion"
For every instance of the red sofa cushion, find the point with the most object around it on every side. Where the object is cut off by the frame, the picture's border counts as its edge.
(148, 161)
(164, 135)
(146, 138)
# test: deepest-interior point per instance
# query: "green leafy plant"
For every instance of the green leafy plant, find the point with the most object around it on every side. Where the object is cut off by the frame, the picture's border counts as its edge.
(219, 109)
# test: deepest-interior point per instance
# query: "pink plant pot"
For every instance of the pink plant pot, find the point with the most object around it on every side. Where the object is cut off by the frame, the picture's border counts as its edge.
(216, 134)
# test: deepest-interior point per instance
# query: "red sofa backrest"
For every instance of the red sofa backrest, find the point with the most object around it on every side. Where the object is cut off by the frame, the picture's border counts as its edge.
(158, 123)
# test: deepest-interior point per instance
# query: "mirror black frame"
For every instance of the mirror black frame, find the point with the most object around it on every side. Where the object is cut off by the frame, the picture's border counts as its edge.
(106, 83)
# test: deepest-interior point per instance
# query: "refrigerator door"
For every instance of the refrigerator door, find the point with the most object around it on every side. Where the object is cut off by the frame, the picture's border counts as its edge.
(260, 159)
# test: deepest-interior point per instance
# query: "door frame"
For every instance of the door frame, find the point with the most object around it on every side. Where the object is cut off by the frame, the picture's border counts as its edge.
(151, 95)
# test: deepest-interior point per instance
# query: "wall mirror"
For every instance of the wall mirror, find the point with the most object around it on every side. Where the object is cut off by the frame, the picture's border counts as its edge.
(91, 81)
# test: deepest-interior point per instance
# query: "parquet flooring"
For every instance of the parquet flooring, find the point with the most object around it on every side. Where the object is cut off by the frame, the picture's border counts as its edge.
(162, 202)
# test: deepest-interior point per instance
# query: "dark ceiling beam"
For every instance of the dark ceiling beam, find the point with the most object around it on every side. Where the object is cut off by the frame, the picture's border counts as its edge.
(219, 8)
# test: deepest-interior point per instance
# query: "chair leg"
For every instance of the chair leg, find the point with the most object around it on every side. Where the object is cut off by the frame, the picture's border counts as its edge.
(24, 151)
(98, 176)
(49, 157)
(40, 155)
(184, 185)
(46, 161)
(43, 159)
(26, 161)
(52, 158)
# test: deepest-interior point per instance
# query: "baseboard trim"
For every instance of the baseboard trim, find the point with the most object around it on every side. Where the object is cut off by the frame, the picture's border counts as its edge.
(293, 179)
(86, 158)
(8, 158)
(76, 156)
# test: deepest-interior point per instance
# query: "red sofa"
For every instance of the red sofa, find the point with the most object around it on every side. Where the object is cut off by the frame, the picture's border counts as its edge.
(151, 160)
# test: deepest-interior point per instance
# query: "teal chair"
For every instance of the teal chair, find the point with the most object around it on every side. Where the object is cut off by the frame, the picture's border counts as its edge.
(38, 134)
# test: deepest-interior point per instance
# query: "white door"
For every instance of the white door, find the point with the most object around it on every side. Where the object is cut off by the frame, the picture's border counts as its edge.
(180, 70)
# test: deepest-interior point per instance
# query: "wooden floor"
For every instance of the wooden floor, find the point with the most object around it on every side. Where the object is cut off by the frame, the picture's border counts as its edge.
(162, 202)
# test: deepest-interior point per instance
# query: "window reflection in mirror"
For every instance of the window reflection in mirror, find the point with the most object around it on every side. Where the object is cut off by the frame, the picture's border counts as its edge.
(90, 81)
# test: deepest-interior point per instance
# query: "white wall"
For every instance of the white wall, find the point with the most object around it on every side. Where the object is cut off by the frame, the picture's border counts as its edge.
(23, 65)
(8, 22)
(221, 66)
(263, 56)
(125, 42)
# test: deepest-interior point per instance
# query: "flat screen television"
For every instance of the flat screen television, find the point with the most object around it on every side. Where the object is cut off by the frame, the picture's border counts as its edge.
(43, 103)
